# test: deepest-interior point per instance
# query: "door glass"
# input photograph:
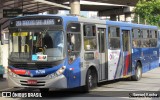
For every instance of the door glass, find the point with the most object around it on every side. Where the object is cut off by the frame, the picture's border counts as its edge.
(101, 38)
(126, 41)
(126, 52)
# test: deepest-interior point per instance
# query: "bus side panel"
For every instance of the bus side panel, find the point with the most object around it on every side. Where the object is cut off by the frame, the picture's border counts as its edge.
(154, 58)
(115, 68)
(145, 55)
(136, 55)
(73, 73)
(119, 70)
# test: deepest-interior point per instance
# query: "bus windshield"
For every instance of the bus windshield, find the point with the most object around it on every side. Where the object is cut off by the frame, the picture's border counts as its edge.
(36, 45)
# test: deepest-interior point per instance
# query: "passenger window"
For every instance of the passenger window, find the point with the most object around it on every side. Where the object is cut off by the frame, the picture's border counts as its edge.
(136, 35)
(145, 39)
(156, 34)
(153, 34)
(153, 42)
(145, 43)
(114, 38)
(89, 30)
(145, 33)
(90, 42)
(153, 38)
(136, 43)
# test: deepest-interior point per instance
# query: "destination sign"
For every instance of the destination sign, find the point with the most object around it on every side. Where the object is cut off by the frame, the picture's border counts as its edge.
(35, 22)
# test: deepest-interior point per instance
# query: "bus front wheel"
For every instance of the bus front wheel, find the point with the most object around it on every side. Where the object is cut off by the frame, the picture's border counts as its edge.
(91, 80)
(138, 72)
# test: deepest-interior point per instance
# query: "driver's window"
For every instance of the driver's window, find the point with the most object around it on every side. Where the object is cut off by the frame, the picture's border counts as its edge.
(73, 42)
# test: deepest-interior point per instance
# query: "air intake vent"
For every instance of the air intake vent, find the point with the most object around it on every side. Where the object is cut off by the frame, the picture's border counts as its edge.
(33, 76)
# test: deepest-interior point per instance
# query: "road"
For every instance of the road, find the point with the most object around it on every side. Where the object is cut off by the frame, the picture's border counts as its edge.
(119, 88)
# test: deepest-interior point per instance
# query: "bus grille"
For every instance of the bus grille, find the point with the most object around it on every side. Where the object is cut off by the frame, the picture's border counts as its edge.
(39, 83)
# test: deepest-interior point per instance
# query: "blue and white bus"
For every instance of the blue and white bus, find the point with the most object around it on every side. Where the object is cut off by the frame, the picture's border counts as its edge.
(51, 51)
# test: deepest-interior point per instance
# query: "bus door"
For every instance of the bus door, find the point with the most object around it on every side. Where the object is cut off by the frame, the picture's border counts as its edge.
(126, 42)
(103, 72)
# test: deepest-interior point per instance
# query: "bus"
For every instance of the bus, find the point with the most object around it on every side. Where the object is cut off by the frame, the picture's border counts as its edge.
(61, 52)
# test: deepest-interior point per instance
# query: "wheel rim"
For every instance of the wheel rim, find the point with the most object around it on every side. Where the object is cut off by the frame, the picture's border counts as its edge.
(90, 81)
(138, 72)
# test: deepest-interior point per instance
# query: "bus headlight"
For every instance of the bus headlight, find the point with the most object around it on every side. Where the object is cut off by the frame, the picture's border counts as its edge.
(11, 73)
(58, 72)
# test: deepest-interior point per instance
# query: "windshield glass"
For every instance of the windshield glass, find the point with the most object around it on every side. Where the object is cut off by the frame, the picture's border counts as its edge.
(36, 45)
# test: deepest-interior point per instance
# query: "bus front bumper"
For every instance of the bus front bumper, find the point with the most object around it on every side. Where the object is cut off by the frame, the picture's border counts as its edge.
(59, 82)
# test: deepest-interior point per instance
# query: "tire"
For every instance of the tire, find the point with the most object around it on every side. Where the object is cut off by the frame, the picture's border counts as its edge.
(138, 73)
(91, 80)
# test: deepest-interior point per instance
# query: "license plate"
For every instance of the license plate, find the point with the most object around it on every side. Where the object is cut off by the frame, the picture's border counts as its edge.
(32, 81)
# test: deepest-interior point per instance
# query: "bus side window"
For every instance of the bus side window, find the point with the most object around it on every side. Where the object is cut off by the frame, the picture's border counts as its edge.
(114, 38)
(90, 43)
(136, 35)
(153, 38)
(145, 40)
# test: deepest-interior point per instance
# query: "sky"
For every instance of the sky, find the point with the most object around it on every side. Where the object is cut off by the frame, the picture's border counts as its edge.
(82, 13)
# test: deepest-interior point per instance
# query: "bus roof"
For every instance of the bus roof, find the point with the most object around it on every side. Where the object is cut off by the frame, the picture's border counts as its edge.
(128, 24)
(96, 21)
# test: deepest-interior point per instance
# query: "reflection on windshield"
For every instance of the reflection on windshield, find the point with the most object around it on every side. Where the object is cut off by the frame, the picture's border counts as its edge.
(37, 45)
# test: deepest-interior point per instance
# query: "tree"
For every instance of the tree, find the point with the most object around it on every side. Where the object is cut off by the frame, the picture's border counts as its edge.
(149, 10)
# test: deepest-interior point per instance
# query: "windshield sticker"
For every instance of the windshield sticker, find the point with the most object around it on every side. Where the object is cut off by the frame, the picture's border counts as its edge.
(39, 57)
(34, 57)
(42, 57)
(20, 34)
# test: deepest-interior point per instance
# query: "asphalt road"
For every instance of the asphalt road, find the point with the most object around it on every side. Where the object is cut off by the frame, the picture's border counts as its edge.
(119, 89)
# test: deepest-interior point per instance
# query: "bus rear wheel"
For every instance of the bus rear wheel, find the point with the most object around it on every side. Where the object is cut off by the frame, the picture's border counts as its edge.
(138, 72)
(91, 80)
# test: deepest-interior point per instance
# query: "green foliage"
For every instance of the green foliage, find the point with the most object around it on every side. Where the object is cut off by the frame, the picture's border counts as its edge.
(149, 10)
